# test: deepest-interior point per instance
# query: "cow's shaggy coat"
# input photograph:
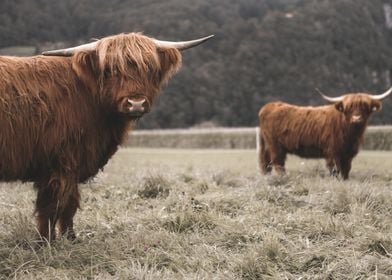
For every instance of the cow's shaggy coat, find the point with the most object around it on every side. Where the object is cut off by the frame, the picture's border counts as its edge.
(333, 132)
(62, 118)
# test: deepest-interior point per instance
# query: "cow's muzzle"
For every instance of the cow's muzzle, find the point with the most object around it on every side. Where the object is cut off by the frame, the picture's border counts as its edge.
(137, 107)
(357, 119)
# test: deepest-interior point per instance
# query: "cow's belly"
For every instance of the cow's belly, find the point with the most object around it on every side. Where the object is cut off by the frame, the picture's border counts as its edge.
(24, 172)
(35, 170)
(83, 157)
(308, 152)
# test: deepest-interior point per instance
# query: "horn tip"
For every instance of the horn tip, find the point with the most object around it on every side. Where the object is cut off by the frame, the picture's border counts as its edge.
(201, 40)
(207, 37)
(46, 53)
(54, 53)
(319, 92)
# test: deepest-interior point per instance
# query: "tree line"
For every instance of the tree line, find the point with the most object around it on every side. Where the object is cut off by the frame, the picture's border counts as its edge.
(264, 50)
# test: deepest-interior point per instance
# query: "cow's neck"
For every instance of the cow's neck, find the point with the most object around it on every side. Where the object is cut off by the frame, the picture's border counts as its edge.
(109, 133)
(118, 128)
(354, 136)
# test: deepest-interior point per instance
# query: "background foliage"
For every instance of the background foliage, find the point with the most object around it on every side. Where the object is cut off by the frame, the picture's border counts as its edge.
(264, 50)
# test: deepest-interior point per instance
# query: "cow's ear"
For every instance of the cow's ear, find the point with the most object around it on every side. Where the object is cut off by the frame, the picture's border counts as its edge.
(170, 60)
(339, 106)
(85, 66)
(376, 106)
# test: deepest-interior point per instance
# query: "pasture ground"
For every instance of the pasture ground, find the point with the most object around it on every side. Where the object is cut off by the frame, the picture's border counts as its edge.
(208, 214)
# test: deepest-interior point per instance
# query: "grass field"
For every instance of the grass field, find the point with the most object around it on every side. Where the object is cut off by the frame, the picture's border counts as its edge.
(208, 214)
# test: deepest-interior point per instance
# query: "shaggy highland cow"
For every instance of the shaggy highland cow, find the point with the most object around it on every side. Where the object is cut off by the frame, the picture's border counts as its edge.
(333, 132)
(63, 115)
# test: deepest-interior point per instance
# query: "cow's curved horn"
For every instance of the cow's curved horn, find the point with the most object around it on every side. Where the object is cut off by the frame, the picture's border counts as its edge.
(381, 96)
(182, 45)
(330, 99)
(70, 51)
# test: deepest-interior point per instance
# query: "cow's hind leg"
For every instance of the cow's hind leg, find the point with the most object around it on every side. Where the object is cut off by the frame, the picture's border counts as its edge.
(278, 158)
(264, 157)
(266, 165)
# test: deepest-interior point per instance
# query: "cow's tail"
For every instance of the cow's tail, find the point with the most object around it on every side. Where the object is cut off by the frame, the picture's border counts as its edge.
(264, 158)
(258, 146)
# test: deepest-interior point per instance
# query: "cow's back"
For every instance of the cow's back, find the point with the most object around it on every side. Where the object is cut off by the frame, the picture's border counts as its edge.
(305, 131)
(47, 119)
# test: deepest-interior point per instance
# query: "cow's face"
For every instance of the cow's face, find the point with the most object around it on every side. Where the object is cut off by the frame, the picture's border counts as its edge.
(357, 108)
(126, 72)
(131, 95)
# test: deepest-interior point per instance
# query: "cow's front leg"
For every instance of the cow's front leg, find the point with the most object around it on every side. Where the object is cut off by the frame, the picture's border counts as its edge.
(47, 207)
(345, 168)
(331, 165)
(70, 208)
(57, 200)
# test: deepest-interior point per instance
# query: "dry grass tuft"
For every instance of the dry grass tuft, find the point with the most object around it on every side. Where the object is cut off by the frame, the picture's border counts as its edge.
(187, 221)
(202, 215)
(154, 186)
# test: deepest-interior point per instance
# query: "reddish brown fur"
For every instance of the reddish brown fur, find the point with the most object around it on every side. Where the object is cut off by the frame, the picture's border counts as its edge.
(62, 118)
(328, 132)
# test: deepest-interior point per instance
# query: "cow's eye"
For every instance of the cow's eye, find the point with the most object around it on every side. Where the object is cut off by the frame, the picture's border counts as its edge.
(131, 64)
(107, 73)
(110, 72)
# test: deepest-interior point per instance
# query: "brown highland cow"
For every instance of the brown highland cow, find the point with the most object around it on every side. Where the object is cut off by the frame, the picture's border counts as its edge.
(63, 115)
(333, 132)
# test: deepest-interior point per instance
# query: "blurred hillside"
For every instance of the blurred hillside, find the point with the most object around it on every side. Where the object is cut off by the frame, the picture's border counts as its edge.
(264, 50)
